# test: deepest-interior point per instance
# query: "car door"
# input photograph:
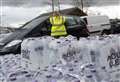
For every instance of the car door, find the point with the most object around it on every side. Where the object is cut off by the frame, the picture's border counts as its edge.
(75, 26)
(71, 25)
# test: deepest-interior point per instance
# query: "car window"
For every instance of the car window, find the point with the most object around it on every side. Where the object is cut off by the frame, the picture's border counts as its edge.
(85, 19)
(33, 23)
(80, 21)
(70, 21)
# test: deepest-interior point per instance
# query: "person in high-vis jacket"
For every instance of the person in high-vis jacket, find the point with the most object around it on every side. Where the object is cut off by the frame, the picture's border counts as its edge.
(58, 25)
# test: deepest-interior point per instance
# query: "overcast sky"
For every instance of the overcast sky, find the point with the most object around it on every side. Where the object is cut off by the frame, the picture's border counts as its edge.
(17, 12)
(34, 3)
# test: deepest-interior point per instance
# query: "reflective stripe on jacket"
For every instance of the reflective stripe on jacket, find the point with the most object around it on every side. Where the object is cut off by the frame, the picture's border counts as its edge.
(58, 27)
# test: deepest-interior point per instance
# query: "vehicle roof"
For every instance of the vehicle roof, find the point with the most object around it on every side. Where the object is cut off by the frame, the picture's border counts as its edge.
(93, 16)
(66, 12)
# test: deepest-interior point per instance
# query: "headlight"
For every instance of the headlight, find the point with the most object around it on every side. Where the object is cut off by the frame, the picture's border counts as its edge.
(13, 43)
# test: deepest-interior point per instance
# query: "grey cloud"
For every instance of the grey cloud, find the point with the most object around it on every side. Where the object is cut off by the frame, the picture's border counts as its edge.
(34, 3)
(13, 2)
(21, 2)
(100, 2)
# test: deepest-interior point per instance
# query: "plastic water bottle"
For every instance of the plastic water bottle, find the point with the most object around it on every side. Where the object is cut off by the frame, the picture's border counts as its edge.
(89, 79)
(96, 75)
(105, 75)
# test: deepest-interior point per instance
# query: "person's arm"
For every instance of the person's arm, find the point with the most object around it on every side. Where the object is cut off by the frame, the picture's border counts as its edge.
(65, 23)
(48, 25)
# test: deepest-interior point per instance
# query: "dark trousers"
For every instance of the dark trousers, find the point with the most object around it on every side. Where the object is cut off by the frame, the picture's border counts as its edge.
(59, 36)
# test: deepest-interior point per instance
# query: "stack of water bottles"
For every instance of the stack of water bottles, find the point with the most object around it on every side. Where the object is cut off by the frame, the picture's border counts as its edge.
(66, 59)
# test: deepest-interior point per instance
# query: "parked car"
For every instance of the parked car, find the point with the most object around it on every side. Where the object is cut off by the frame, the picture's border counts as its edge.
(97, 24)
(37, 27)
(115, 26)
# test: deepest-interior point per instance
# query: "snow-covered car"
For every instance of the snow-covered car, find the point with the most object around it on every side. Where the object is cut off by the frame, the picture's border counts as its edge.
(37, 27)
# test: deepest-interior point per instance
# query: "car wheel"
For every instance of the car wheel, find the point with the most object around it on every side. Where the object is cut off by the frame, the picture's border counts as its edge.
(105, 32)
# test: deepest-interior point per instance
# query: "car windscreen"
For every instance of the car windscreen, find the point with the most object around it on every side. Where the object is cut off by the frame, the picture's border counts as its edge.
(34, 22)
(81, 21)
(70, 21)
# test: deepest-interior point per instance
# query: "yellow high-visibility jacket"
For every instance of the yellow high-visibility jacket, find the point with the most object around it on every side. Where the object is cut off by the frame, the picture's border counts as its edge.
(58, 27)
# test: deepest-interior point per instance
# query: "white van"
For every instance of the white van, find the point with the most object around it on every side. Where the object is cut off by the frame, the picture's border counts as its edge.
(97, 23)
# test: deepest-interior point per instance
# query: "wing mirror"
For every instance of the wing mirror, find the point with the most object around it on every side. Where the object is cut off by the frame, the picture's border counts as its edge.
(13, 43)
